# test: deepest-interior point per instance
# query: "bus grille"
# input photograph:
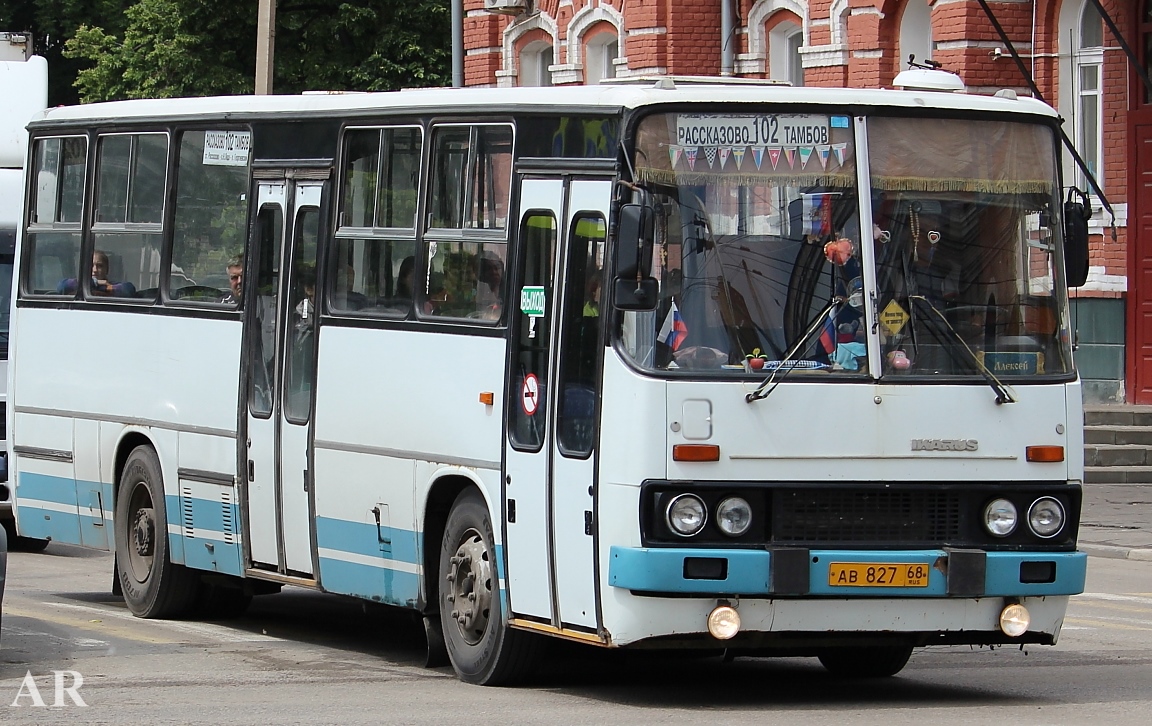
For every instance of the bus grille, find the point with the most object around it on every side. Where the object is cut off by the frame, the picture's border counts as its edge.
(854, 515)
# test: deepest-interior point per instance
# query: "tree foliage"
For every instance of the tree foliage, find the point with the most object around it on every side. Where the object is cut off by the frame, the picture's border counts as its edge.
(112, 49)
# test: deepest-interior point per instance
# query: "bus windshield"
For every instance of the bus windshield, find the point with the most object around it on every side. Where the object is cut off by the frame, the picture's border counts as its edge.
(761, 261)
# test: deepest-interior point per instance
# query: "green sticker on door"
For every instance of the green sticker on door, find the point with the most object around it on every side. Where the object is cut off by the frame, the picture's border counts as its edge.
(532, 301)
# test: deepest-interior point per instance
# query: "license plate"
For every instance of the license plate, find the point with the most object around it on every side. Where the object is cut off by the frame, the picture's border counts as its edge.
(873, 574)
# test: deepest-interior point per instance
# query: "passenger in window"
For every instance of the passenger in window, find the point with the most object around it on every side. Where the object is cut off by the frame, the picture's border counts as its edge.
(235, 281)
(406, 278)
(99, 283)
(346, 297)
(489, 290)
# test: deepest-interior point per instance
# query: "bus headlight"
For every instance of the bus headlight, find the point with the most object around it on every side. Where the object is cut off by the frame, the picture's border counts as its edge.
(686, 515)
(1000, 517)
(1046, 517)
(734, 516)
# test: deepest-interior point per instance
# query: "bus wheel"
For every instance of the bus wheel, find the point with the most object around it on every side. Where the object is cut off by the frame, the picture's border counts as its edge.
(481, 646)
(879, 662)
(153, 586)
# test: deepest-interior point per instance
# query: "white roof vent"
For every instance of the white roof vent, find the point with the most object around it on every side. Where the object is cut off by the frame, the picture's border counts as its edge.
(923, 79)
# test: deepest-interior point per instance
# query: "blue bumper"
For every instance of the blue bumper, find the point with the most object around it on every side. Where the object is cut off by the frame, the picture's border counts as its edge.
(805, 573)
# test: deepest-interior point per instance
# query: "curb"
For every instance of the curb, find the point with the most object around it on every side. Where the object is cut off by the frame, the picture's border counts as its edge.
(1140, 554)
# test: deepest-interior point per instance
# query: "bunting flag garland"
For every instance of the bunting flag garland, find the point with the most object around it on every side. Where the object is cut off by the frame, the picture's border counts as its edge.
(725, 152)
(674, 152)
(738, 154)
(838, 149)
(758, 155)
(805, 155)
(691, 154)
(790, 155)
(774, 155)
(823, 150)
(710, 152)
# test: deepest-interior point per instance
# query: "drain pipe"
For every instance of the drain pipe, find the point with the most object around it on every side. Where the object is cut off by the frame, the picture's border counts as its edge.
(457, 43)
(727, 38)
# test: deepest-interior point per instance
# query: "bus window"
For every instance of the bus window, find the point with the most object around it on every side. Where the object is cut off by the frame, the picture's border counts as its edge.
(373, 276)
(210, 217)
(300, 359)
(56, 212)
(262, 357)
(471, 177)
(131, 170)
(526, 428)
(464, 280)
(578, 377)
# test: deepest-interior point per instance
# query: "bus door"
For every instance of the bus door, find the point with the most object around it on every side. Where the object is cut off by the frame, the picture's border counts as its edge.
(553, 386)
(280, 291)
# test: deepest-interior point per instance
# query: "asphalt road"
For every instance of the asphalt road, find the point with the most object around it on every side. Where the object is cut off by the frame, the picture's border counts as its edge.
(300, 657)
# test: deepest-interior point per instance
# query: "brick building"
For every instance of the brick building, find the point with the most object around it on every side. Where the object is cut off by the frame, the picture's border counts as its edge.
(1077, 64)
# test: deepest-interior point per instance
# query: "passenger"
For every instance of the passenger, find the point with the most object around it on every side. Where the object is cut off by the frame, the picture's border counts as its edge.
(346, 297)
(235, 281)
(99, 283)
(405, 280)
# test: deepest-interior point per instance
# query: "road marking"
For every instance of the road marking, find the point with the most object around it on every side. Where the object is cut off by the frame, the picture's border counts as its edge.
(106, 629)
(1114, 623)
(218, 633)
(1115, 598)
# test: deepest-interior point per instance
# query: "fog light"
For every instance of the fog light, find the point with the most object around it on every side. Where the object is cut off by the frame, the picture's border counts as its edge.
(723, 622)
(1046, 517)
(1000, 517)
(686, 515)
(1014, 620)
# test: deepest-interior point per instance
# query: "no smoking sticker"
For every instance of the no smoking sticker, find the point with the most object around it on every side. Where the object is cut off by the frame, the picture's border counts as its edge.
(530, 394)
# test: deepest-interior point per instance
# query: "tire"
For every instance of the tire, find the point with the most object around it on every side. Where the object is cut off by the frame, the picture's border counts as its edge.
(153, 586)
(879, 662)
(482, 648)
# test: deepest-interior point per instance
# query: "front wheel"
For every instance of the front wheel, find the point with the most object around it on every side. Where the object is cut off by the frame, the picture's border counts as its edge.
(879, 662)
(153, 586)
(481, 646)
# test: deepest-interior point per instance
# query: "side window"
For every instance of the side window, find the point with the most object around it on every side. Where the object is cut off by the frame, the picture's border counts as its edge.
(464, 280)
(131, 172)
(210, 217)
(527, 392)
(579, 375)
(471, 177)
(373, 264)
(59, 166)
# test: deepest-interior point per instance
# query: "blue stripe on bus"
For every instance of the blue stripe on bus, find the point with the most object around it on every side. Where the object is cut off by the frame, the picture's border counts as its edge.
(381, 584)
(662, 571)
(43, 523)
(363, 538)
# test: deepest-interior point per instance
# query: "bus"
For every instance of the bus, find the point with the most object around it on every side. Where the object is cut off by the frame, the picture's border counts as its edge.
(662, 363)
(24, 85)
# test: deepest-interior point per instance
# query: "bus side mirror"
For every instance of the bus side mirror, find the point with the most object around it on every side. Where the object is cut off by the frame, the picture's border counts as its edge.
(1076, 216)
(633, 287)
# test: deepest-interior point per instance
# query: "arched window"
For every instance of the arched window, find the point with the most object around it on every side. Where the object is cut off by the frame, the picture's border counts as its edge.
(784, 42)
(1088, 52)
(535, 59)
(915, 34)
(600, 55)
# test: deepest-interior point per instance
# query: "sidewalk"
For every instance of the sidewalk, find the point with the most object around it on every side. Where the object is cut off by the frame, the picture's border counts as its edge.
(1116, 521)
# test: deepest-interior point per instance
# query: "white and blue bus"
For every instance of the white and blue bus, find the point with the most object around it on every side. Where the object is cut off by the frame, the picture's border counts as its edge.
(669, 363)
(24, 88)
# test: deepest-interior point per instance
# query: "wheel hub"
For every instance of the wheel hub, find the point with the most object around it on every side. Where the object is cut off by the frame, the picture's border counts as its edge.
(144, 533)
(469, 587)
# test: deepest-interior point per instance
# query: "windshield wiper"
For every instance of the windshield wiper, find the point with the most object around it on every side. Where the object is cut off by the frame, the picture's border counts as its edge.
(1003, 392)
(770, 382)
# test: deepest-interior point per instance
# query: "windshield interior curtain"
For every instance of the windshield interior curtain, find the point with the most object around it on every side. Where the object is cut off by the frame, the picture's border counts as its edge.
(960, 155)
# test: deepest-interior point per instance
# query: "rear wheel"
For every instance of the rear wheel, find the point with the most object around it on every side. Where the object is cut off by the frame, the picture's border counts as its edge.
(153, 586)
(879, 662)
(481, 646)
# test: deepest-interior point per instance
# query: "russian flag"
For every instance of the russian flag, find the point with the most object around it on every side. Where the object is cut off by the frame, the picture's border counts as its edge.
(673, 331)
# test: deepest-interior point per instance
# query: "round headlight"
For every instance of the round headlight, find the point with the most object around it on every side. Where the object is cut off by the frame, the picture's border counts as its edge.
(1046, 517)
(734, 516)
(1000, 517)
(686, 515)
